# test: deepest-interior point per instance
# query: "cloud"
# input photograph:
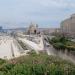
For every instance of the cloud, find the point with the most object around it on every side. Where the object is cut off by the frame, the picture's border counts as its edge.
(43, 12)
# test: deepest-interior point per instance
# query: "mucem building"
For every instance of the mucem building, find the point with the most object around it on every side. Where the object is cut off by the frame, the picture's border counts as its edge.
(68, 25)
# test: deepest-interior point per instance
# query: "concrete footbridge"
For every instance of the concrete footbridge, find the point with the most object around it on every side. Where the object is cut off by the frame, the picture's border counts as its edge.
(35, 43)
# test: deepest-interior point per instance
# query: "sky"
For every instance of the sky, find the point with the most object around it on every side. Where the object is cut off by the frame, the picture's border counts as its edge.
(46, 13)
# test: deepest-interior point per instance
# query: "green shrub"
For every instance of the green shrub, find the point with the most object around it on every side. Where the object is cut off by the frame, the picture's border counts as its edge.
(41, 64)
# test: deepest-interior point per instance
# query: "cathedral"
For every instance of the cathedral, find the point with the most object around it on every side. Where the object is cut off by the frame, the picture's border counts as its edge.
(33, 29)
